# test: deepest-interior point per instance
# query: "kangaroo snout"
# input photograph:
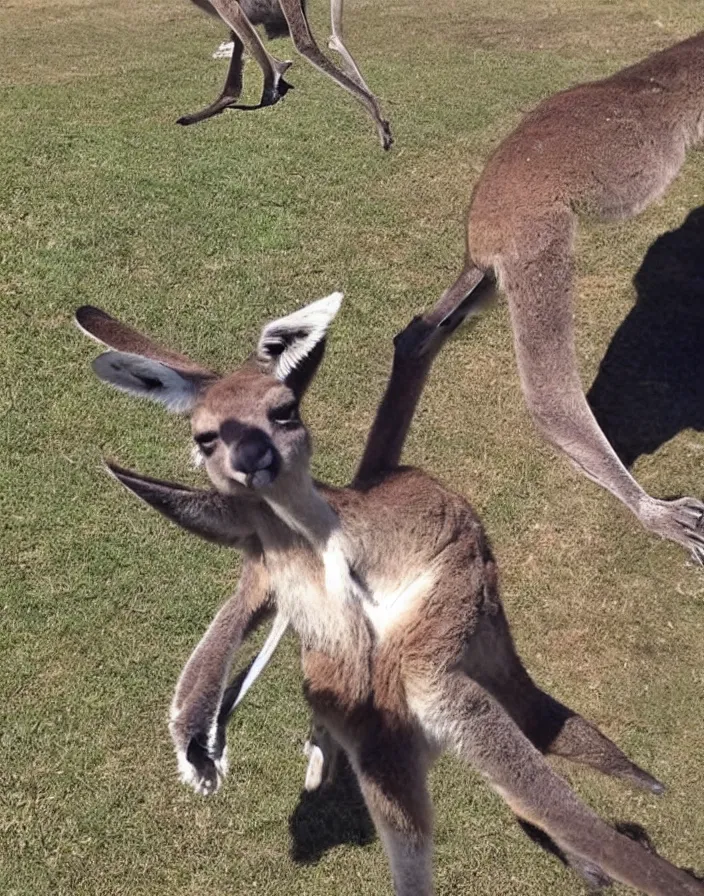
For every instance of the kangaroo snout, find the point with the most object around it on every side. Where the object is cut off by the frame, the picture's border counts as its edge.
(256, 458)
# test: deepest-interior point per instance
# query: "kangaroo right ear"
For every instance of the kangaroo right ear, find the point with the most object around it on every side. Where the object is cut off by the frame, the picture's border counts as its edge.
(291, 347)
(142, 367)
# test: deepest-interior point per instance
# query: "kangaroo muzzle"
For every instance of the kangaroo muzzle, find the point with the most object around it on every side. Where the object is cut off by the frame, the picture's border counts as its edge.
(255, 458)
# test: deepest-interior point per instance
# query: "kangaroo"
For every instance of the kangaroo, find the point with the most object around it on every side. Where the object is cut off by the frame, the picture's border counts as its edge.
(607, 148)
(280, 18)
(391, 587)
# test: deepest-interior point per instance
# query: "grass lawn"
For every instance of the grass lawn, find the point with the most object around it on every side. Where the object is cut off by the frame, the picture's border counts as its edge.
(199, 235)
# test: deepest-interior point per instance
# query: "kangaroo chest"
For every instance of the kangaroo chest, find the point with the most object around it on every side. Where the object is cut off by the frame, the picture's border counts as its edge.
(326, 595)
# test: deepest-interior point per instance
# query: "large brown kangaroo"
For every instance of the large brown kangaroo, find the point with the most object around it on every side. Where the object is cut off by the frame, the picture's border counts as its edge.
(391, 587)
(608, 149)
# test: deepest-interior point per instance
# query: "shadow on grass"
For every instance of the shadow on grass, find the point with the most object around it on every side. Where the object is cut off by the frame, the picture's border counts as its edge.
(650, 384)
(333, 815)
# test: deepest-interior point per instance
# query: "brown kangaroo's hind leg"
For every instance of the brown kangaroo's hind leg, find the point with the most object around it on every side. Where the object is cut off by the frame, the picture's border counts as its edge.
(415, 349)
(336, 43)
(539, 291)
(230, 92)
(272, 69)
(391, 768)
(460, 714)
(305, 44)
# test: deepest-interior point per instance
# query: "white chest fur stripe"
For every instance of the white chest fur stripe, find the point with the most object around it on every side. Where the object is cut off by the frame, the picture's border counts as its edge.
(389, 607)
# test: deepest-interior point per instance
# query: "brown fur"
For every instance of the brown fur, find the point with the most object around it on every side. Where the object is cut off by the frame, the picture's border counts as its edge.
(607, 149)
(392, 589)
(280, 18)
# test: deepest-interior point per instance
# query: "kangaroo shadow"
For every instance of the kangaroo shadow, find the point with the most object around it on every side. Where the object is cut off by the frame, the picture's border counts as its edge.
(330, 816)
(649, 386)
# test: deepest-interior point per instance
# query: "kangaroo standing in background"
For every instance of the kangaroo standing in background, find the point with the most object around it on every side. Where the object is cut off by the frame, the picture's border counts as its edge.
(280, 18)
(608, 149)
(391, 587)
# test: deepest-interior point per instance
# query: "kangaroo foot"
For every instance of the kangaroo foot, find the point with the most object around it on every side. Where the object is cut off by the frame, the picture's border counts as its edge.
(316, 766)
(681, 521)
(322, 753)
(224, 101)
(425, 335)
(417, 339)
(385, 137)
(202, 769)
(273, 92)
(272, 95)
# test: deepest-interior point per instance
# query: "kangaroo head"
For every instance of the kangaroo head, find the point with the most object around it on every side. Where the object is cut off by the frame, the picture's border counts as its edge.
(246, 425)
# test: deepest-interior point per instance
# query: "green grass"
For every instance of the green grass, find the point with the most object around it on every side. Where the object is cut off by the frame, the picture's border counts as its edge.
(199, 235)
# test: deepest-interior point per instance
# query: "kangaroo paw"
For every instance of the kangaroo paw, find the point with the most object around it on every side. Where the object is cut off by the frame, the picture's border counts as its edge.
(385, 137)
(681, 521)
(271, 95)
(201, 770)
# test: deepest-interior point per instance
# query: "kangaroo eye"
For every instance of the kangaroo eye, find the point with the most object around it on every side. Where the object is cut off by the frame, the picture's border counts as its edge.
(286, 414)
(206, 441)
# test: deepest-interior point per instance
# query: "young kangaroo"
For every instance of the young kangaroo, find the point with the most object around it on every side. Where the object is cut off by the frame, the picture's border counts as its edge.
(391, 587)
(608, 149)
(281, 17)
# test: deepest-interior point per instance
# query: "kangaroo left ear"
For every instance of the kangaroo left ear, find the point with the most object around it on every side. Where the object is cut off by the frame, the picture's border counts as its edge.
(292, 347)
(142, 367)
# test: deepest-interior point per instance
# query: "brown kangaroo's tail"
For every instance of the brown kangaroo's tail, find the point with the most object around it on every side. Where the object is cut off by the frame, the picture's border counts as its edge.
(464, 716)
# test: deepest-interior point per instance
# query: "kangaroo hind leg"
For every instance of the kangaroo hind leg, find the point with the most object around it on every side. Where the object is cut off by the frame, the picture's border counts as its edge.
(272, 69)
(463, 716)
(540, 295)
(336, 43)
(392, 770)
(308, 48)
(565, 733)
(492, 661)
(230, 92)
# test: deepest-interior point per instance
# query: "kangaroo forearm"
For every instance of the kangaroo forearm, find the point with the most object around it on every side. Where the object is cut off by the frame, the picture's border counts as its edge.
(208, 669)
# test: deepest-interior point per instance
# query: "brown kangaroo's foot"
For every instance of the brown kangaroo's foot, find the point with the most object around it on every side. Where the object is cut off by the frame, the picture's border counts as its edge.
(681, 521)
(224, 101)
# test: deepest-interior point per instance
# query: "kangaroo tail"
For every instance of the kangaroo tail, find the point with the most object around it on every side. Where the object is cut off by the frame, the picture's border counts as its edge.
(462, 715)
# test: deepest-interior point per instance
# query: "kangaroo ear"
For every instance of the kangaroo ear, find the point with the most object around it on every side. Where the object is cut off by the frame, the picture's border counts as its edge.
(145, 378)
(205, 513)
(292, 347)
(142, 367)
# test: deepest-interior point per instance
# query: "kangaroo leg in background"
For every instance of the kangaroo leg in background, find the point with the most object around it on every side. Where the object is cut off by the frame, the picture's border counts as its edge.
(230, 92)
(464, 717)
(541, 307)
(305, 44)
(336, 43)
(272, 69)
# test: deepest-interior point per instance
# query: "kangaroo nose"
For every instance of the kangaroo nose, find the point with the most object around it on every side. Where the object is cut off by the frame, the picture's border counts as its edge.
(255, 456)
(251, 454)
